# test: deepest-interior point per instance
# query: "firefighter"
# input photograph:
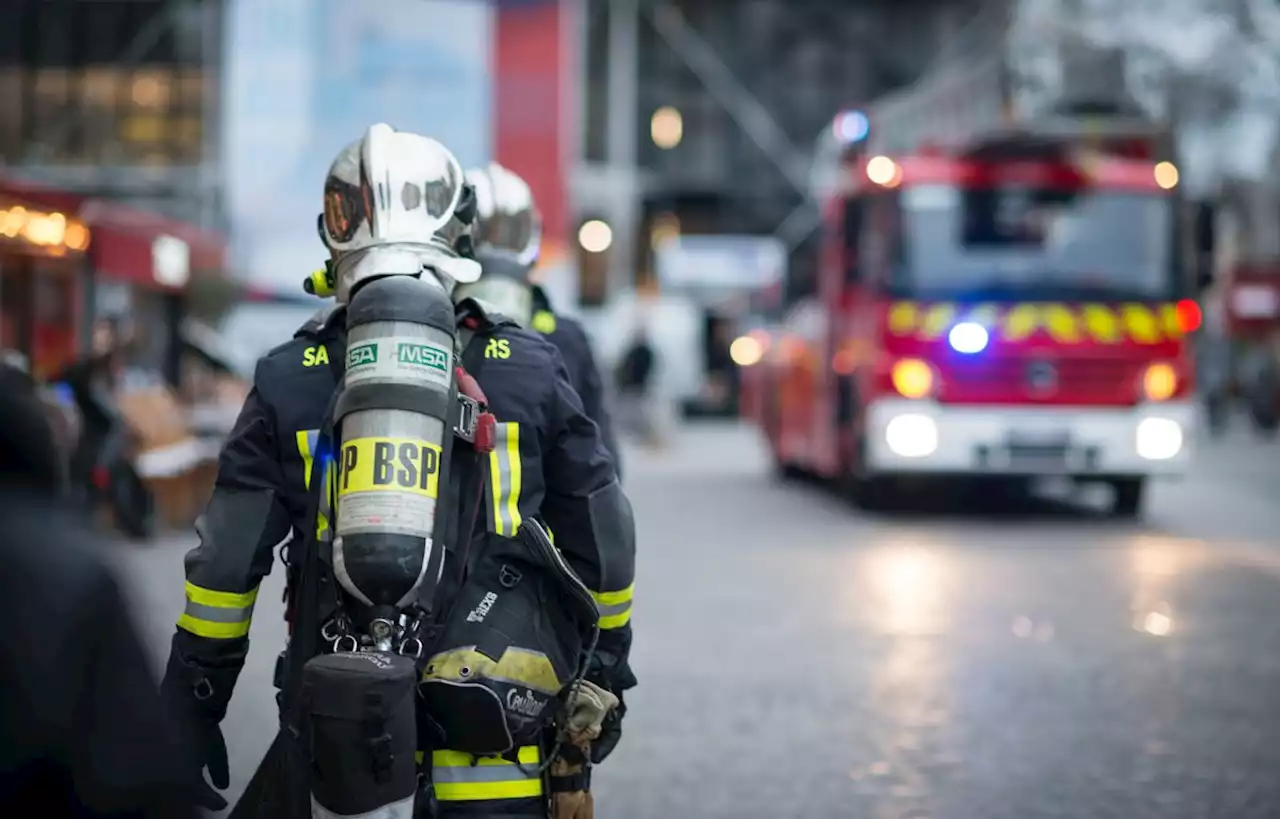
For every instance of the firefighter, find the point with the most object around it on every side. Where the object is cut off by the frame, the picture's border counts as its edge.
(548, 462)
(508, 243)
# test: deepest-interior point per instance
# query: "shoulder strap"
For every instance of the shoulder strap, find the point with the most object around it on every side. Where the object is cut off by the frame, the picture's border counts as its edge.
(465, 336)
(336, 351)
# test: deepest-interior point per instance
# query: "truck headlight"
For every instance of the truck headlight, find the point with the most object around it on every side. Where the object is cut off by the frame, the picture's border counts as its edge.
(1158, 439)
(911, 436)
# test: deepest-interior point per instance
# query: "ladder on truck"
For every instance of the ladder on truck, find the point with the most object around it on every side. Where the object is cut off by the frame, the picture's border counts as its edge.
(1000, 79)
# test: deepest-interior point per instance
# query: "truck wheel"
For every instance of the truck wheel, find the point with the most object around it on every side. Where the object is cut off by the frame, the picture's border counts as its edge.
(874, 494)
(1128, 497)
(785, 471)
(871, 493)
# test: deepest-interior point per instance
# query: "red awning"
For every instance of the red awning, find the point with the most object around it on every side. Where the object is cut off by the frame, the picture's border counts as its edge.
(122, 238)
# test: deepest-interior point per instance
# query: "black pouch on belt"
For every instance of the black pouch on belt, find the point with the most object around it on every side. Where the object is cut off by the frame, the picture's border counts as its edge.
(357, 718)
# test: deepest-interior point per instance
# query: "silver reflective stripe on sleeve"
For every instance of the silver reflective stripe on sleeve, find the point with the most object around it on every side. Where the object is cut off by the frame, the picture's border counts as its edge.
(459, 777)
(217, 615)
(614, 606)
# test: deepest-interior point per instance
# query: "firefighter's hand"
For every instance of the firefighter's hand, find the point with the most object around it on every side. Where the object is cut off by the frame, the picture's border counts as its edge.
(197, 696)
(213, 750)
(610, 734)
(589, 705)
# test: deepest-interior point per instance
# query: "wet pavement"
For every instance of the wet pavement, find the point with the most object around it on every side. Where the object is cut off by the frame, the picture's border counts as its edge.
(799, 658)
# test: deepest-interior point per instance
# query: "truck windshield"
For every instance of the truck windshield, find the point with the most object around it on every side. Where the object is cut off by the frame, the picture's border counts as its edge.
(1026, 242)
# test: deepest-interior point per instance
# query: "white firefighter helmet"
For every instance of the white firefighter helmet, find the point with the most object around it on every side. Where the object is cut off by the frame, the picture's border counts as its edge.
(508, 240)
(396, 203)
(509, 222)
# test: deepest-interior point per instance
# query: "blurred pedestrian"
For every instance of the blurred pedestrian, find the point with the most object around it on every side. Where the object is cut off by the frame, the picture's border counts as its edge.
(82, 729)
(635, 381)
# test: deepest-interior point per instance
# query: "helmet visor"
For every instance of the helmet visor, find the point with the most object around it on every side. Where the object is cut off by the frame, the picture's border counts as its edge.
(518, 233)
(345, 210)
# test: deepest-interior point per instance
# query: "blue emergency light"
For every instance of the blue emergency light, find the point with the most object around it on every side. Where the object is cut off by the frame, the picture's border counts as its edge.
(968, 337)
(851, 127)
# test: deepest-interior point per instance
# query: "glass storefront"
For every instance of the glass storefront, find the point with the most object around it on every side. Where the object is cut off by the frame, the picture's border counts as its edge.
(39, 309)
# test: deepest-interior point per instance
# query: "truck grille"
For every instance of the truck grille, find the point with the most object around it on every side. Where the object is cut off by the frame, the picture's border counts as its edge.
(1049, 380)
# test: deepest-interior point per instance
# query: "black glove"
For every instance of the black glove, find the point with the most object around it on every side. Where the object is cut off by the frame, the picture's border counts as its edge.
(212, 757)
(198, 693)
(610, 733)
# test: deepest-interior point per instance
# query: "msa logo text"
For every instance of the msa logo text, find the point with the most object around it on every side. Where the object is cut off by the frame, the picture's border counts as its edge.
(362, 355)
(477, 614)
(423, 355)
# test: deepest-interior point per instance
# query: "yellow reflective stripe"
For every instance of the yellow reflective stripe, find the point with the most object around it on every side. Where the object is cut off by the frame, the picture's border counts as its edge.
(505, 477)
(306, 440)
(457, 776)
(219, 615)
(614, 607)
(528, 755)
(1100, 323)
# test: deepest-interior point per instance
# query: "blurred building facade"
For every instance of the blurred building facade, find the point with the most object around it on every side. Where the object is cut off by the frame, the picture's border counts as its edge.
(337, 67)
(117, 100)
(110, 185)
(700, 117)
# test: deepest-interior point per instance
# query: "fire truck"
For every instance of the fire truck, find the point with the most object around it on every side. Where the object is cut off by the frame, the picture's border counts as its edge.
(1003, 286)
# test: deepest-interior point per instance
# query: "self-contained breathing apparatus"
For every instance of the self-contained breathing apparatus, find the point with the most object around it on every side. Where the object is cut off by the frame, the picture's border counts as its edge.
(396, 601)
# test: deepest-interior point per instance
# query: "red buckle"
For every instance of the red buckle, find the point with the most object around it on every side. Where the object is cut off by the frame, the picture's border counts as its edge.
(486, 432)
(468, 386)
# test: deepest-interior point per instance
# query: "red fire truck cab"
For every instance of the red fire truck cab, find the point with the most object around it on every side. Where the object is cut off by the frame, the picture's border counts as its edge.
(1009, 304)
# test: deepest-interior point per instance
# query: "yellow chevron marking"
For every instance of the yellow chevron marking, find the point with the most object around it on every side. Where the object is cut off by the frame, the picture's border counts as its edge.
(1067, 325)
(903, 317)
(1021, 322)
(1140, 324)
(1101, 323)
(1169, 317)
(1061, 323)
(938, 320)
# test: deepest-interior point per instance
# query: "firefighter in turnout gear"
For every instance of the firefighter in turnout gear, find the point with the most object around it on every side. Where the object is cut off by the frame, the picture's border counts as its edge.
(543, 468)
(508, 244)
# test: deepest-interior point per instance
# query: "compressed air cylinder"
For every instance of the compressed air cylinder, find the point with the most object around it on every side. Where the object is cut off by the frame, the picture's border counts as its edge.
(394, 421)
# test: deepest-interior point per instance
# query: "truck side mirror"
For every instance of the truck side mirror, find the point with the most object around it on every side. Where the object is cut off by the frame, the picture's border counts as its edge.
(1204, 278)
(1204, 231)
